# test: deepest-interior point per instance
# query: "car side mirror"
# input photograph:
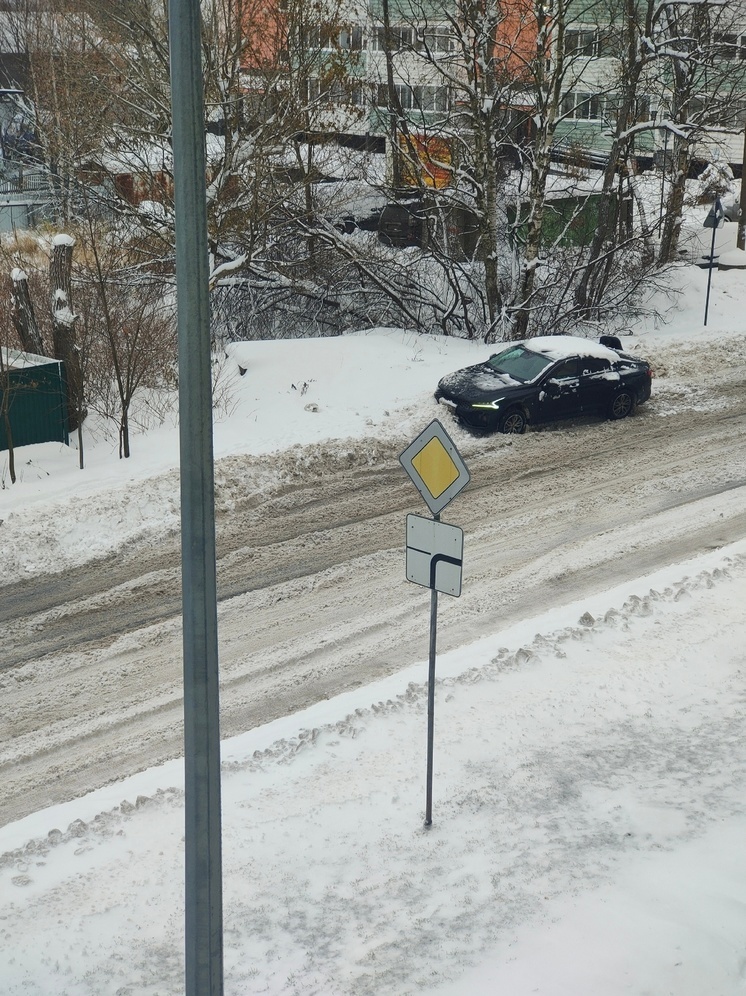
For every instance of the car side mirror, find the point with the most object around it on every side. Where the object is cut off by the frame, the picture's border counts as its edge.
(552, 387)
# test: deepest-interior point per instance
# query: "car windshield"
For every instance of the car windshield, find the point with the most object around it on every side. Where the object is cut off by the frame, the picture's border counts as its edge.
(519, 362)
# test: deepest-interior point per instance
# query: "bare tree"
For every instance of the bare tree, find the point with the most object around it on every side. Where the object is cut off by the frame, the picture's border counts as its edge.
(701, 98)
(130, 313)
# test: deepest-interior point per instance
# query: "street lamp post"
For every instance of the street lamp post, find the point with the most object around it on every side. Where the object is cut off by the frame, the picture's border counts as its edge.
(741, 239)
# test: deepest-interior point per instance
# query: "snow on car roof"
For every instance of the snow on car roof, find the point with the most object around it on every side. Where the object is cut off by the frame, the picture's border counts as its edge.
(558, 346)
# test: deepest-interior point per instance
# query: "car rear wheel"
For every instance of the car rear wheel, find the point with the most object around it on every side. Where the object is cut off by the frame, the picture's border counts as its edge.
(512, 422)
(622, 405)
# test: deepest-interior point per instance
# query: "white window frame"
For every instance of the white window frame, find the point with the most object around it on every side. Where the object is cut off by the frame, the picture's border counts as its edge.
(576, 102)
(402, 37)
(575, 34)
(438, 39)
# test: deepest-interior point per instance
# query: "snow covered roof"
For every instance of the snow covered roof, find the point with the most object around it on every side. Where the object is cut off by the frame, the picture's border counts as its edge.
(15, 359)
(150, 156)
(558, 346)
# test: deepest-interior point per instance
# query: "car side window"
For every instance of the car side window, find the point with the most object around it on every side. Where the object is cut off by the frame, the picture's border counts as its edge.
(566, 369)
(594, 365)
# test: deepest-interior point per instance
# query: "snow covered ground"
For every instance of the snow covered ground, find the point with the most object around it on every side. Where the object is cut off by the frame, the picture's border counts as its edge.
(590, 763)
(587, 838)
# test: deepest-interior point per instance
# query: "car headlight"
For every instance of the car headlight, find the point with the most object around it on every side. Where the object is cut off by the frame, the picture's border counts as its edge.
(492, 405)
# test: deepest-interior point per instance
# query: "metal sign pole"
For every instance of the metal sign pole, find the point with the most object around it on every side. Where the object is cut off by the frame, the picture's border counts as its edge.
(202, 831)
(717, 213)
(709, 274)
(435, 550)
(431, 702)
(741, 237)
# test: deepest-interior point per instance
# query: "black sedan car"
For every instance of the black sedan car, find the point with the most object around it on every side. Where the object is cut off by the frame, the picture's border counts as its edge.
(546, 379)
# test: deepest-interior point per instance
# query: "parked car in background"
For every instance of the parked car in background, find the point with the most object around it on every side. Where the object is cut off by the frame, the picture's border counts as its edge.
(546, 379)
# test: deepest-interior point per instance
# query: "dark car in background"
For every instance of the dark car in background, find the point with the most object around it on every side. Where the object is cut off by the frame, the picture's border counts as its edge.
(546, 379)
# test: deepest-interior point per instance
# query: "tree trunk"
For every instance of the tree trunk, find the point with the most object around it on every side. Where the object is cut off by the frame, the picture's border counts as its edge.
(24, 318)
(588, 293)
(63, 325)
(674, 204)
(537, 202)
(124, 435)
(487, 197)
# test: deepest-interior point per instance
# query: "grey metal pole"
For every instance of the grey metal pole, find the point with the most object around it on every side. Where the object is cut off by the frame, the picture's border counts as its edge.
(741, 237)
(203, 860)
(712, 264)
(431, 708)
(431, 702)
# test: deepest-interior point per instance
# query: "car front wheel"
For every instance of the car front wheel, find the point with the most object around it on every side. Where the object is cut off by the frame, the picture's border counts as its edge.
(512, 422)
(622, 405)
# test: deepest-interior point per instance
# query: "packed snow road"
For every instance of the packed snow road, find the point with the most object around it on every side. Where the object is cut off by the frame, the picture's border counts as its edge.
(311, 575)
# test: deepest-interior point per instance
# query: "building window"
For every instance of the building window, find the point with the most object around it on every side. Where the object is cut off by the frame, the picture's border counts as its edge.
(704, 110)
(582, 106)
(327, 39)
(427, 99)
(351, 38)
(318, 39)
(402, 36)
(581, 41)
(348, 94)
(430, 98)
(437, 39)
(642, 109)
(592, 43)
(725, 46)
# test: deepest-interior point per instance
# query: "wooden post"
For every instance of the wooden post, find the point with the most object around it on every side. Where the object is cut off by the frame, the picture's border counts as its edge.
(24, 318)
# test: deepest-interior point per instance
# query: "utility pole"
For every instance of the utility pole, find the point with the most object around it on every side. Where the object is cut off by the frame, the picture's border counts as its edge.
(202, 831)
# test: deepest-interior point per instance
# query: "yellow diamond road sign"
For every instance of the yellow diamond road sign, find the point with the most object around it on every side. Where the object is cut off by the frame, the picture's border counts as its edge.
(435, 466)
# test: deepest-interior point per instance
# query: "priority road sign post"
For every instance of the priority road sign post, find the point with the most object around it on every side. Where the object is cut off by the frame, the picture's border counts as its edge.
(434, 548)
(714, 220)
(435, 553)
(435, 467)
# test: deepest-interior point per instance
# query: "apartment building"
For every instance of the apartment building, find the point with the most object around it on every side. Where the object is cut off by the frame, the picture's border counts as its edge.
(359, 58)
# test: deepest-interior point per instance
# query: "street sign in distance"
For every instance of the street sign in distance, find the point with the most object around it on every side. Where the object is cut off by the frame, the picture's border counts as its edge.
(715, 216)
